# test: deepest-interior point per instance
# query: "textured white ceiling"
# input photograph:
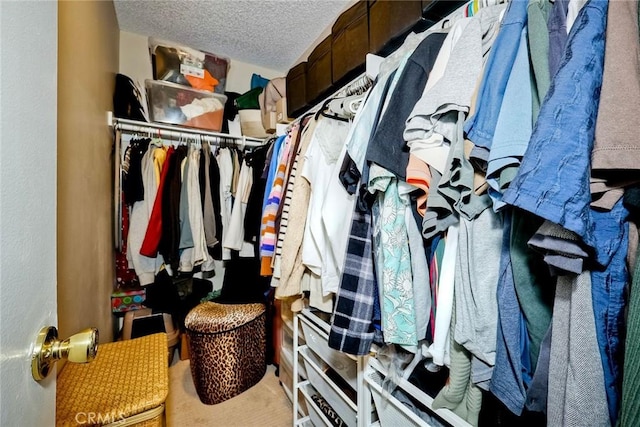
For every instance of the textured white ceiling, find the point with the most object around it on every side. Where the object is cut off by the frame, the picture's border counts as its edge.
(271, 33)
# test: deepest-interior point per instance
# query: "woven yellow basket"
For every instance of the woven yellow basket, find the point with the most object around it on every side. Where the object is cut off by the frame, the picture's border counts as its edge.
(126, 385)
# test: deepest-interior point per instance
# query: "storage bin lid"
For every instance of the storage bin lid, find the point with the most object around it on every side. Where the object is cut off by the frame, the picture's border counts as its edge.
(126, 378)
(211, 317)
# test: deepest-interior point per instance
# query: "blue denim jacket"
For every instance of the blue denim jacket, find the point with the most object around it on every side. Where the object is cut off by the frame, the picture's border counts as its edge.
(553, 180)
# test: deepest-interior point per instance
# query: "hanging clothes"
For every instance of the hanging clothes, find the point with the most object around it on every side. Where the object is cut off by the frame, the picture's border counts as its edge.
(481, 127)
(615, 153)
(170, 239)
(225, 163)
(285, 205)
(568, 204)
(320, 160)
(154, 228)
(270, 210)
(234, 237)
(145, 267)
(291, 267)
(197, 253)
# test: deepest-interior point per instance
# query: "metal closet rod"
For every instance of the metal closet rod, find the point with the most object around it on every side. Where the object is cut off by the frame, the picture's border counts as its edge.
(177, 132)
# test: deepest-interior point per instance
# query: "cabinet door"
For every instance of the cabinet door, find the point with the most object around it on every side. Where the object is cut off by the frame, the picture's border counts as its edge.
(350, 40)
(297, 89)
(319, 74)
(389, 19)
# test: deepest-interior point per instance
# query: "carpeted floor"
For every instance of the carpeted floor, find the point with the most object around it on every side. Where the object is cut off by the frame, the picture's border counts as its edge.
(263, 405)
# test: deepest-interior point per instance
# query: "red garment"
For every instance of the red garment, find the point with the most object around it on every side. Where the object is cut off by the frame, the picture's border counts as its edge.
(154, 228)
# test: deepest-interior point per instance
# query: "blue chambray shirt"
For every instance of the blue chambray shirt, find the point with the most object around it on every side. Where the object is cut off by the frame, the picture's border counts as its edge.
(553, 180)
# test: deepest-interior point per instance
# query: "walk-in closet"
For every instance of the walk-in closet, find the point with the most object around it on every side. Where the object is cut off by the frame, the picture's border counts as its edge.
(346, 213)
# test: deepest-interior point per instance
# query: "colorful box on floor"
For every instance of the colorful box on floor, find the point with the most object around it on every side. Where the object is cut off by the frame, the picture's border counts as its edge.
(124, 300)
(127, 384)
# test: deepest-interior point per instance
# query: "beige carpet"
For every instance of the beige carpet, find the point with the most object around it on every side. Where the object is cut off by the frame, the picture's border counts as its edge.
(263, 405)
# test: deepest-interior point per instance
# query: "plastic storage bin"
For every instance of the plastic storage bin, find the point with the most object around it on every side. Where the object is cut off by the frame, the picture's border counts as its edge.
(318, 419)
(175, 104)
(390, 410)
(318, 341)
(315, 369)
(189, 67)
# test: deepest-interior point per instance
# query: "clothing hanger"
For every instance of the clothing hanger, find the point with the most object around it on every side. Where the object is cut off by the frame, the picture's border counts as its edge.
(346, 107)
(327, 112)
(360, 86)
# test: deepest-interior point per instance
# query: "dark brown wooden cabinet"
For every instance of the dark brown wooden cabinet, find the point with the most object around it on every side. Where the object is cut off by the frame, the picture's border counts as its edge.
(389, 19)
(350, 40)
(319, 71)
(297, 89)
(376, 26)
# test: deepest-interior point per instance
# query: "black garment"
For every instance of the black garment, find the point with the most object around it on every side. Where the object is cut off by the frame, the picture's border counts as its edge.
(170, 239)
(127, 100)
(387, 148)
(493, 413)
(214, 185)
(242, 282)
(162, 295)
(176, 296)
(214, 178)
(632, 202)
(230, 110)
(349, 174)
(429, 382)
(253, 215)
(132, 185)
(202, 178)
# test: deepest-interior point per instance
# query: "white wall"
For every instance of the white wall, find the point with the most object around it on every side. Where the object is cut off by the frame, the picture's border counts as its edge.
(239, 78)
(28, 88)
(135, 62)
(87, 30)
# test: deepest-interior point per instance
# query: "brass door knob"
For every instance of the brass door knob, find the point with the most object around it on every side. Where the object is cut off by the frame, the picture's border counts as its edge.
(79, 348)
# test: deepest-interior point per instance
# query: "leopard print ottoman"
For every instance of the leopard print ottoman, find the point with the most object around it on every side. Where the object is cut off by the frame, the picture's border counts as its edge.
(227, 345)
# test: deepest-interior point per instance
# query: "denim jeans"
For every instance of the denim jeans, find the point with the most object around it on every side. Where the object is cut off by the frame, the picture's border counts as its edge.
(507, 380)
(608, 289)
